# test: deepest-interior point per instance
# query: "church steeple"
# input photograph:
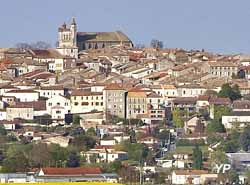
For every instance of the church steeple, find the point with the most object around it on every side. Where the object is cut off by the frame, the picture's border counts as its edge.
(73, 21)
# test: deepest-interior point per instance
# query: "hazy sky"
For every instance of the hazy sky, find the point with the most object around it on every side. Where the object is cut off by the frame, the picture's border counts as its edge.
(215, 25)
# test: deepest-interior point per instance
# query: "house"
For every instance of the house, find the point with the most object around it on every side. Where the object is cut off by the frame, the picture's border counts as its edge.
(239, 159)
(136, 103)
(236, 119)
(58, 106)
(23, 95)
(190, 90)
(24, 112)
(194, 124)
(150, 141)
(91, 119)
(90, 174)
(60, 140)
(115, 100)
(202, 101)
(14, 178)
(105, 155)
(107, 142)
(192, 177)
(184, 103)
(167, 91)
(181, 70)
(8, 125)
(223, 69)
(50, 91)
(39, 106)
(84, 101)
(241, 105)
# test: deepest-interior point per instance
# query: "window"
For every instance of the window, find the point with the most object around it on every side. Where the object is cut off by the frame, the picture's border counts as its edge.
(97, 103)
(76, 103)
(85, 103)
(58, 112)
(50, 104)
(58, 103)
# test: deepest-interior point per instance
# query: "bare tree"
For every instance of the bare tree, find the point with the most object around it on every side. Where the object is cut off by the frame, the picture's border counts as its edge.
(156, 43)
(36, 45)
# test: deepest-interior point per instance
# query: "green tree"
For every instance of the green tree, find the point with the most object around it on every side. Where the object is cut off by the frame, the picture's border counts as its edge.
(136, 151)
(83, 142)
(245, 139)
(231, 177)
(197, 158)
(3, 131)
(91, 132)
(16, 163)
(231, 144)
(219, 157)
(215, 126)
(177, 115)
(76, 119)
(230, 92)
(221, 110)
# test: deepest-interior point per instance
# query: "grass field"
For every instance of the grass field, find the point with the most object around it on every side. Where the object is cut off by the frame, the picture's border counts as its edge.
(66, 183)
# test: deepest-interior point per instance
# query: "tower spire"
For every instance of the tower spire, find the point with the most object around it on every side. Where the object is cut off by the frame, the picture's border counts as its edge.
(73, 21)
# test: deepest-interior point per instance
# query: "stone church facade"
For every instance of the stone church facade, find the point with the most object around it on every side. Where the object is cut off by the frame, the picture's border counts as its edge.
(70, 42)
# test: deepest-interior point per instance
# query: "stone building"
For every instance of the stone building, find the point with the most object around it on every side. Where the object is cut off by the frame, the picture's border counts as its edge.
(223, 69)
(115, 100)
(137, 104)
(70, 41)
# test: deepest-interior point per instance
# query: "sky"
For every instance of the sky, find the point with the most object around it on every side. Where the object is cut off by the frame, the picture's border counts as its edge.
(220, 26)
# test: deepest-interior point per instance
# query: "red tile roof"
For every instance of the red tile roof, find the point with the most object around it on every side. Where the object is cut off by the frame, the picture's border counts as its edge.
(114, 86)
(71, 171)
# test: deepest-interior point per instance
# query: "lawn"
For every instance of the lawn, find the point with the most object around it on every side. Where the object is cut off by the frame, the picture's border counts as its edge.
(66, 183)
(189, 149)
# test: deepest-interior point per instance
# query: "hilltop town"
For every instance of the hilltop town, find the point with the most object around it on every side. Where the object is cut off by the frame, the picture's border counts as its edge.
(98, 108)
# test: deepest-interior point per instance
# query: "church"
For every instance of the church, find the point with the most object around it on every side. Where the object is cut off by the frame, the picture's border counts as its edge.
(70, 42)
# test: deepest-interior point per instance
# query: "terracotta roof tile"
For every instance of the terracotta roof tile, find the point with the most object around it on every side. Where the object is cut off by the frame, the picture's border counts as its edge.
(71, 171)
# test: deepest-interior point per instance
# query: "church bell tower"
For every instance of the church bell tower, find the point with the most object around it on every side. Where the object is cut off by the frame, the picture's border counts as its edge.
(67, 39)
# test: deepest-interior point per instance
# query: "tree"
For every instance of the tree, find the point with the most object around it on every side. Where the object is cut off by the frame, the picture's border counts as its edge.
(16, 163)
(73, 160)
(231, 144)
(76, 119)
(210, 93)
(177, 118)
(16, 159)
(3, 131)
(197, 158)
(136, 151)
(156, 43)
(219, 157)
(40, 45)
(36, 45)
(91, 132)
(231, 177)
(215, 126)
(40, 155)
(245, 139)
(230, 92)
(83, 142)
(221, 110)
